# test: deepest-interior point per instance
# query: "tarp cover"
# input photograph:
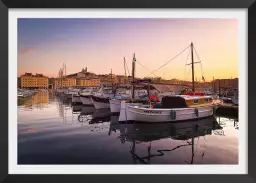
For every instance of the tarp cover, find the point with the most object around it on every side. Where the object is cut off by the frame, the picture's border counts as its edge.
(173, 102)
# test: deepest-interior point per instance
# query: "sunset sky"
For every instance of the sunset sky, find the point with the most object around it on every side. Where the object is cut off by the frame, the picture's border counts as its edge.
(101, 44)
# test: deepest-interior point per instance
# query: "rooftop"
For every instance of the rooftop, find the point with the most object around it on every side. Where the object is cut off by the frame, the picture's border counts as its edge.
(31, 75)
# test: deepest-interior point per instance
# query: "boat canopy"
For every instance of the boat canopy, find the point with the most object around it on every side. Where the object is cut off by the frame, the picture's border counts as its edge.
(173, 101)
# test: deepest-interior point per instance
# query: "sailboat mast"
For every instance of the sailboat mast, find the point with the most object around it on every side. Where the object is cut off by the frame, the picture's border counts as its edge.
(111, 80)
(65, 71)
(192, 59)
(125, 70)
(219, 87)
(195, 128)
(133, 74)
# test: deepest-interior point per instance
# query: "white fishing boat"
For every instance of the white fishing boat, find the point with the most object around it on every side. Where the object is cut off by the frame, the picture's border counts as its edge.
(171, 109)
(101, 98)
(72, 93)
(75, 95)
(115, 103)
(85, 95)
(139, 95)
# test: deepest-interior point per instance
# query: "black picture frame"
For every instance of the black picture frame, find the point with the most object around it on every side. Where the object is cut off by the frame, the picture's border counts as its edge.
(250, 5)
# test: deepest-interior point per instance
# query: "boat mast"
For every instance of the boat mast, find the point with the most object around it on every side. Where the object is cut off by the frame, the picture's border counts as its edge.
(192, 59)
(125, 71)
(65, 71)
(219, 87)
(195, 128)
(192, 63)
(214, 88)
(111, 80)
(133, 74)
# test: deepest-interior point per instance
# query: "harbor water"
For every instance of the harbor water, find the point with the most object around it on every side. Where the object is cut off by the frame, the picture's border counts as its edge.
(53, 131)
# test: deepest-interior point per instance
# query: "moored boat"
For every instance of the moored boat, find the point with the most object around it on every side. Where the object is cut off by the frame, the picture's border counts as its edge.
(101, 98)
(171, 109)
(115, 103)
(75, 96)
(86, 94)
(140, 95)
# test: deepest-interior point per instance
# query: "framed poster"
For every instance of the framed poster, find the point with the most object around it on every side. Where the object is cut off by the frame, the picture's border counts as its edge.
(66, 48)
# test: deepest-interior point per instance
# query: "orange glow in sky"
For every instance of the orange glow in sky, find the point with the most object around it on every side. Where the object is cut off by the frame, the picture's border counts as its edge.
(101, 44)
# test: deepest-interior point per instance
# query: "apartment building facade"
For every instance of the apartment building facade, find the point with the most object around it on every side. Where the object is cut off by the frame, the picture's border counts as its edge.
(28, 80)
(88, 82)
(64, 82)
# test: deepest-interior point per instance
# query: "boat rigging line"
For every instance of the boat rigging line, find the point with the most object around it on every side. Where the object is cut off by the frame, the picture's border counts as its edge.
(186, 67)
(126, 67)
(188, 74)
(170, 60)
(146, 68)
(199, 62)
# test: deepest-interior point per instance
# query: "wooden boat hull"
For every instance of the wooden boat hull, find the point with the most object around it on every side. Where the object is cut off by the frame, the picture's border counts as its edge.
(130, 112)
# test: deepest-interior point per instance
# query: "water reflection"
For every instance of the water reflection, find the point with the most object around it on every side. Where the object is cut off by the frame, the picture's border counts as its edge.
(92, 115)
(39, 100)
(188, 132)
(84, 132)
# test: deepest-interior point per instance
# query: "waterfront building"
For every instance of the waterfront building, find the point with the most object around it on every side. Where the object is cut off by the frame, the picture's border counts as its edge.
(88, 82)
(64, 82)
(224, 84)
(28, 80)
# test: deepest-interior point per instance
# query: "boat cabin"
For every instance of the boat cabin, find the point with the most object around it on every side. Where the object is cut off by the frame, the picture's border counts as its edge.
(184, 101)
(194, 101)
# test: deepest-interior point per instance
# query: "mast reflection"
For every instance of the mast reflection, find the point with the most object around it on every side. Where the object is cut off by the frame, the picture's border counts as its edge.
(149, 133)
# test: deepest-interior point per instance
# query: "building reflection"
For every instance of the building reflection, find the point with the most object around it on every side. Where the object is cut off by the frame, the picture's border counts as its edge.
(38, 100)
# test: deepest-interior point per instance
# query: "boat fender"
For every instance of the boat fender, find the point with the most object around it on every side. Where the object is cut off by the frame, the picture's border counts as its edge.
(173, 114)
(196, 111)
